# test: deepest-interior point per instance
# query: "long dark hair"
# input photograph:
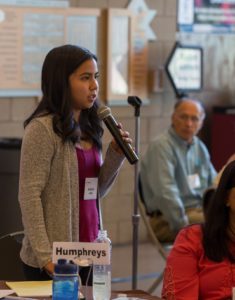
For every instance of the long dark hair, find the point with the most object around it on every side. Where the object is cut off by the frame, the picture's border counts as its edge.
(58, 65)
(215, 230)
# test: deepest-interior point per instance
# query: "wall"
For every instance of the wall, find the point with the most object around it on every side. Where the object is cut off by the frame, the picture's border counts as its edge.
(219, 74)
(155, 117)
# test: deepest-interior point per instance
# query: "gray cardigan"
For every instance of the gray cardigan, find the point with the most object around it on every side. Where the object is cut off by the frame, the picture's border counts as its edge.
(48, 190)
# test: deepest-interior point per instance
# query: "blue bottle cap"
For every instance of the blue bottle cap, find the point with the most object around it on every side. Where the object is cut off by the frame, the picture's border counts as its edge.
(65, 267)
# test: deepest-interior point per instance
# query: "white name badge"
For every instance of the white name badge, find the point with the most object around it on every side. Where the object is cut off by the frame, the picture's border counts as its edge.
(97, 253)
(194, 181)
(90, 191)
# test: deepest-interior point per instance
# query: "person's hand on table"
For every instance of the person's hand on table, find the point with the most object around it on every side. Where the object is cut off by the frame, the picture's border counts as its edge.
(49, 268)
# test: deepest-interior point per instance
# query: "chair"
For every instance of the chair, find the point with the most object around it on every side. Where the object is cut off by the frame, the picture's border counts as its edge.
(162, 249)
(10, 263)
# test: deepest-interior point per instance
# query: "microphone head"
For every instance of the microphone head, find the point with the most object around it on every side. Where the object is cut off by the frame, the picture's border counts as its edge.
(103, 112)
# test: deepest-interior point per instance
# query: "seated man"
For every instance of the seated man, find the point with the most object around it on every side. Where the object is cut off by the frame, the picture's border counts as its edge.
(175, 171)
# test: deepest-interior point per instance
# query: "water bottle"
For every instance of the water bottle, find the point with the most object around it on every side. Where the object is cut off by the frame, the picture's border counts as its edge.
(102, 273)
(65, 281)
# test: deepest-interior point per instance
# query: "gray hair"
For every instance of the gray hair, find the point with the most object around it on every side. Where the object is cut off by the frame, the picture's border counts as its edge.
(187, 99)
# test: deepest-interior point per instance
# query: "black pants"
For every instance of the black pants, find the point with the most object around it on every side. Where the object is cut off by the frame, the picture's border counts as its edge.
(36, 274)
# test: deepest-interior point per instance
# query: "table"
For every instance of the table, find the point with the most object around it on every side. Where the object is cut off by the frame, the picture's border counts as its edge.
(136, 293)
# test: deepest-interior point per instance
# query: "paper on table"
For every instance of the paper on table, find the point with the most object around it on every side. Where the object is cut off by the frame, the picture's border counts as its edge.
(4, 293)
(31, 288)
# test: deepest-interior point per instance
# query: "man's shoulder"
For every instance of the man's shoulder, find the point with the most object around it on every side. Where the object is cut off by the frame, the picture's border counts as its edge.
(200, 144)
(162, 140)
(160, 148)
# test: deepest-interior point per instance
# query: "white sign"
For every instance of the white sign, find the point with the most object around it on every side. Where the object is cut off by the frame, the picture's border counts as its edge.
(36, 3)
(185, 68)
(185, 12)
(98, 253)
(194, 181)
(91, 185)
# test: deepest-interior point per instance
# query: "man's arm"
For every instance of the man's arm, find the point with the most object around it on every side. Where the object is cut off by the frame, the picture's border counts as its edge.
(159, 170)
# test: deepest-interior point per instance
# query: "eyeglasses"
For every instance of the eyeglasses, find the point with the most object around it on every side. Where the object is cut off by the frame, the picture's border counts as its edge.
(193, 119)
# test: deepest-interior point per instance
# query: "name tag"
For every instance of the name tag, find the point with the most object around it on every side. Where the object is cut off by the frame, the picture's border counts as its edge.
(90, 191)
(233, 293)
(82, 253)
(194, 181)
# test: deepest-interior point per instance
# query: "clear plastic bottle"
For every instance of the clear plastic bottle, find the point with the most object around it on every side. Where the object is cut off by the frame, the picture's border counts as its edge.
(102, 273)
(65, 281)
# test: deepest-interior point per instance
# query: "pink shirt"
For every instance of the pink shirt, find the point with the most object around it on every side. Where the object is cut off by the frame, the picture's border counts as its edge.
(88, 166)
(189, 275)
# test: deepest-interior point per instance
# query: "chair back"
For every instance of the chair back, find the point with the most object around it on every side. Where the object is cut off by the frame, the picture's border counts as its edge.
(145, 216)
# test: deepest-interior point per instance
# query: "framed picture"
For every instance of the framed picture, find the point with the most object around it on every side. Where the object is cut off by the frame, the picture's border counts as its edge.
(119, 55)
(203, 16)
(33, 32)
(184, 68)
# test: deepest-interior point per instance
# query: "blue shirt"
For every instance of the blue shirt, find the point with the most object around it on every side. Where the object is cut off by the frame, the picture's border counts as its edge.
(165, 168)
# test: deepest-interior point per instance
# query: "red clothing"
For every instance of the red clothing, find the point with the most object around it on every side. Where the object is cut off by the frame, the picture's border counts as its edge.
(88, 167)
(189, 275)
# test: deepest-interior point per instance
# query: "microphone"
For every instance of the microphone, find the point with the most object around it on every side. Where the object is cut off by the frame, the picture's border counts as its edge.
(104, 113)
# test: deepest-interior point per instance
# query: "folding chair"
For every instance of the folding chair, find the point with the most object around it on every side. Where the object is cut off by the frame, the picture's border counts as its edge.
(163, 250)
(10, 263)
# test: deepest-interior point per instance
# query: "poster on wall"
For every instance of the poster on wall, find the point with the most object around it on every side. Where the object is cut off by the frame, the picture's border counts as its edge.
(213, 16)
(120, 49)
(184, 69)
(36, 3)
(29, 33)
